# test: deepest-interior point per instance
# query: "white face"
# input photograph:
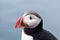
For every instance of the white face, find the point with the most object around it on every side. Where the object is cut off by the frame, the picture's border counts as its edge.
(32, 20)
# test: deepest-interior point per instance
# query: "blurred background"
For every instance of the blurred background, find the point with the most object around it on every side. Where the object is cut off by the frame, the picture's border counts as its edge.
(11, 10)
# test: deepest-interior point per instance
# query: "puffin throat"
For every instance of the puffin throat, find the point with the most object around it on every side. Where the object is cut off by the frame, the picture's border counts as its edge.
(32, 31)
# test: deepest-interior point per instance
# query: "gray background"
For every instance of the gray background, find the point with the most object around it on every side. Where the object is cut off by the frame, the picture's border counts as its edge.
(11, 10)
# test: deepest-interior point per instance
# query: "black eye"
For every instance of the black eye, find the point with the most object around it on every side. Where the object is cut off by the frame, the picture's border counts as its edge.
(30, 17)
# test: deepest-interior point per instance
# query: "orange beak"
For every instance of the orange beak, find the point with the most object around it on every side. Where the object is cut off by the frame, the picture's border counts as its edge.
(18, 23)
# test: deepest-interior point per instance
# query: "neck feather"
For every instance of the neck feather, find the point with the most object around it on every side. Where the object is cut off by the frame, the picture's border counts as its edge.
(32, 31)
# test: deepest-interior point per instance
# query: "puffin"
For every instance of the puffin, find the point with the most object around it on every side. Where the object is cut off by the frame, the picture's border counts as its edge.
(32, 24)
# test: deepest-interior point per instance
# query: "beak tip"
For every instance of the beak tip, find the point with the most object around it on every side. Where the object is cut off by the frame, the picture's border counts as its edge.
(17, 26)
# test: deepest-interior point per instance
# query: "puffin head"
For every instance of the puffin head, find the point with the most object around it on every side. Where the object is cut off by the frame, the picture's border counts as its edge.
(30, 19)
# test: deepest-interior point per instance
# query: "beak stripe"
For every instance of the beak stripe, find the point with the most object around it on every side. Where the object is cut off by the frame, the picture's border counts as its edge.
(18, 23)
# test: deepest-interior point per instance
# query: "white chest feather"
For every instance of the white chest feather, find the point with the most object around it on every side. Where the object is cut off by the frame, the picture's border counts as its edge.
(26, 37)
